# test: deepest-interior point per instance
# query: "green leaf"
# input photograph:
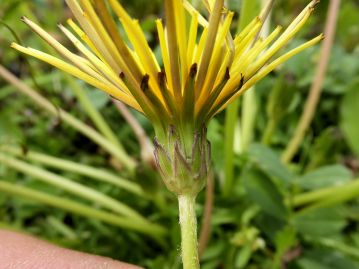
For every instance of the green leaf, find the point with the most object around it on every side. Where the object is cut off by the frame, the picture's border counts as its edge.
(349, 116)
(264, 192)
(269, 162)
(324, 149)
(323, 222)
(285, 239)
(326, 259)
(326, 176)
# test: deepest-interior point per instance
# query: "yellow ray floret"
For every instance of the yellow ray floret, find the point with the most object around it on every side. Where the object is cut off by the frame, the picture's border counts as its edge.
(204, 67)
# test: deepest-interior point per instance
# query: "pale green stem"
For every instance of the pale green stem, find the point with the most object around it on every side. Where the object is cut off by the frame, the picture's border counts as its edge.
(316, 88)
(268, 132)
(230, 122)
(188, 222)
(145, 143)
(85, 170)
(152, 230)
(41, 80)
(249, 9)
(93, 113)
(92, 134)
(249, 114)
(72, 187)
(328, 196)
(62, 228)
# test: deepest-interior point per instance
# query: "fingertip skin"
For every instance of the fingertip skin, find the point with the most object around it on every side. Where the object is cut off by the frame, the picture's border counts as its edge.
(18, 251)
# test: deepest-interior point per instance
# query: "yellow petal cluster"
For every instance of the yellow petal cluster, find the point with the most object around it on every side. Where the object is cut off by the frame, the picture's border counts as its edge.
(204, 67)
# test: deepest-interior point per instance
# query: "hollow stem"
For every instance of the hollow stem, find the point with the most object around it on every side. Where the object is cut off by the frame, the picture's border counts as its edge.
(188, 222)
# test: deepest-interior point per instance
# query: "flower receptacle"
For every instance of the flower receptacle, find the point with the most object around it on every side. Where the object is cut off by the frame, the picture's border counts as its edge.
(183, 172)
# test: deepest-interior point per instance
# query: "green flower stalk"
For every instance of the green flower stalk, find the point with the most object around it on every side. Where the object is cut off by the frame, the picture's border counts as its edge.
(204, 69)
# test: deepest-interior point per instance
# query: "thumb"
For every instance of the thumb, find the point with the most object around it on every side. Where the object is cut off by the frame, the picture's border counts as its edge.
(19, 251)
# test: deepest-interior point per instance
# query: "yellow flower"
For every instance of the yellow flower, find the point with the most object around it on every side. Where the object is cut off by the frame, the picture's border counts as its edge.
(205, 68)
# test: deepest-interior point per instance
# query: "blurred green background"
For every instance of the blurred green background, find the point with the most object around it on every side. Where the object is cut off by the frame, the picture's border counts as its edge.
(256, 225)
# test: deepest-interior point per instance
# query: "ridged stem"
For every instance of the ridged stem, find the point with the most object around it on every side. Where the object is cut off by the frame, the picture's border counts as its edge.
(188, 222)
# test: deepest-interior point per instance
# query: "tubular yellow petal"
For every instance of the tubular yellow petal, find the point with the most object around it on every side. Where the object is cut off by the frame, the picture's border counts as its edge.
(200, 46)
(68, 68)
(181, 29)
(80, 62)
(84, 38)
(105, 39)
(254, 52)
(203, 112)
(184, 94)
(138, 93)
(214, 22)
(245, 44)
(209, 4)
(226, 64)
(173, 48)
(138, 40)
(84, 21)
(216, 63)
(309, 7)
(201, 20)
(192, 37)
(111, 26)
(269, 68)
(240, 67)
(147, 60)
(238, 39)
(164, 51)
(101, 67)
(231, 49)
(217, 59)
(118, 66)
(280, 43)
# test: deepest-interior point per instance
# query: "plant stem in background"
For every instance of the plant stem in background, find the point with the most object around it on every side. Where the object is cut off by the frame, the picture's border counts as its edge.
(327, 196)
(188, 221)
(207, 215)
(250, 100)
(72, 187)
(248, 116)
(249, 10)
(145, 143)
(152, 230)
(81, 169)
(92, 134)
(92, 112)
(269, 130)
(316, 88)
(229, 136)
